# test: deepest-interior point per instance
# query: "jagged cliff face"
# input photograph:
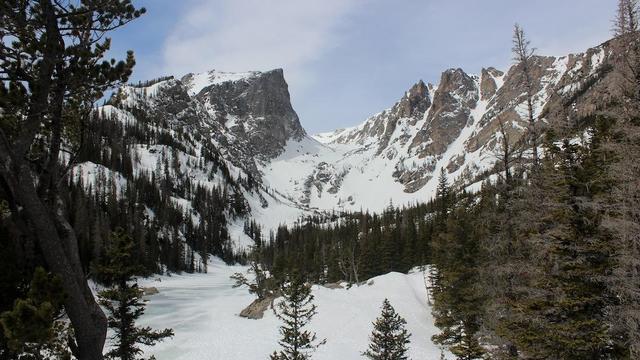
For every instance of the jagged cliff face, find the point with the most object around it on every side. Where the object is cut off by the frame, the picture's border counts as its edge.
(255, 109)
(395, 155)
(248, 115)
(212, 131)
(379, 128)
(453, 101)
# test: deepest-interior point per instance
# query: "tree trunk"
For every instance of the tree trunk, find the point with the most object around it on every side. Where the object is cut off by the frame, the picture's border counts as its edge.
(59, 248)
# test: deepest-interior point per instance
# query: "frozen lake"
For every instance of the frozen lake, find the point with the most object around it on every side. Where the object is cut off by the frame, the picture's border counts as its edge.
(202, 310)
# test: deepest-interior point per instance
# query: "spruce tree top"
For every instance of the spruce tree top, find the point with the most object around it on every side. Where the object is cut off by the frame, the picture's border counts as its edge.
(389, 338)
(296, 311)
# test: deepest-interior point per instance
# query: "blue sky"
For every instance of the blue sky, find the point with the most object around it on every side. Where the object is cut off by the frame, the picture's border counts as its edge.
(345, 60)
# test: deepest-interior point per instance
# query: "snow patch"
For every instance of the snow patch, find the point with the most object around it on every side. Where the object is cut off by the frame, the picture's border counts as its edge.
(196, 82)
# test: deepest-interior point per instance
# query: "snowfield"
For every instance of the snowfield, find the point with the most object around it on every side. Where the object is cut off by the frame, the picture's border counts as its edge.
(202, 310)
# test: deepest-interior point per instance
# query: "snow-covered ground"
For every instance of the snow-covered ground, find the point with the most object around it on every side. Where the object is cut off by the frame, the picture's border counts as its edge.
(203, 311)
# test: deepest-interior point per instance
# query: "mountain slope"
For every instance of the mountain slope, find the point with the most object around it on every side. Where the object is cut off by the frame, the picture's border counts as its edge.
(239, 133)
(398, 153)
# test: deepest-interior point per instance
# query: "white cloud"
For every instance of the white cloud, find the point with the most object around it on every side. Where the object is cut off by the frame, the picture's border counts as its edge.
(240, 35)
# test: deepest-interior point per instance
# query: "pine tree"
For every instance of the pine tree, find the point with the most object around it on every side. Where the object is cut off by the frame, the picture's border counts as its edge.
(443, 198)
(47, 94)
(389, 338)
(296, 311)
(458, 305)
(626, 20)
(523, 54)
(123, 301)
(32, 328)
(624, 218)
(561, 310)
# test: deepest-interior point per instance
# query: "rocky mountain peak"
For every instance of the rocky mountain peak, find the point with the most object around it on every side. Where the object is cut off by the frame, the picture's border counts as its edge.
(454, 125)
(457, 83)
(453, 101)
(380, 127)
(415, 102)
(255, 107)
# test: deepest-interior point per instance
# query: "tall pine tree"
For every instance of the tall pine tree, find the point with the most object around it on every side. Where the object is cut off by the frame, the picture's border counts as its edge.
(123, 301)
(561, 312)
(389, 338)
(296, 311)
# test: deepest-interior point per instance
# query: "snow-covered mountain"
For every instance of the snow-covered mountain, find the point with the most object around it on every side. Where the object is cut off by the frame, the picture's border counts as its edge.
(396, 155)
(245, 122)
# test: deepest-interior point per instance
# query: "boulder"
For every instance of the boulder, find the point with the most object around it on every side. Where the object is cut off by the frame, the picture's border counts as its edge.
(257, 308)
(148, 291)
(333, 286)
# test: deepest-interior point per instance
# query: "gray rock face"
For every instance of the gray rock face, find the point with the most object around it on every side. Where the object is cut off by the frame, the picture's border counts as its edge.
(488, 85)
(261, 108)
(173, 103)
(325, 177)
(414, 104)
(412, 107)
(592, 83)
(453, 101)
(458, 127)
(248, 116)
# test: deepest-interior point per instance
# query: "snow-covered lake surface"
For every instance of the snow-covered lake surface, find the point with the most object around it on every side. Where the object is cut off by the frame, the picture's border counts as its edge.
(202, 310)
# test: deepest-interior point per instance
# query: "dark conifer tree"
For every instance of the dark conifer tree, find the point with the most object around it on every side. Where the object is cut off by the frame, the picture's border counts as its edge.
(389, 338)
(457, 304)
(46, 94)
(443, 199)
(295, 311)
(123, 301)
(562, 309)
(32, 328)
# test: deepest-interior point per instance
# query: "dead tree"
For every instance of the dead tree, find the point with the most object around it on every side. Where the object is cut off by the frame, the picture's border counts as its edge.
(523, 54)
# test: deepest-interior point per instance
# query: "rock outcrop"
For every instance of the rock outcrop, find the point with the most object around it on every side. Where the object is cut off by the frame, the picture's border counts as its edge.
(256, 309)
(488, 84)
(453, 101)
(381, 127)
(457, 124)
(256, 110)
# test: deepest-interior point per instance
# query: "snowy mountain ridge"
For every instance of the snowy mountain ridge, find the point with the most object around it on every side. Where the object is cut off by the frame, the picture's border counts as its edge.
(244, 123)
(396, 154)
(196, 82)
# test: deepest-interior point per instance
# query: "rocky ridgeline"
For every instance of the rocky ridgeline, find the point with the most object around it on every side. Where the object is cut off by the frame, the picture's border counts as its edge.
(466, 110)
(247, 121)
(249, 117)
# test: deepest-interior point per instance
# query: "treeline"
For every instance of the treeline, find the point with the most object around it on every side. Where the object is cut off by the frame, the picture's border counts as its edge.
(351, 246)
(175, 212)
(177, 220)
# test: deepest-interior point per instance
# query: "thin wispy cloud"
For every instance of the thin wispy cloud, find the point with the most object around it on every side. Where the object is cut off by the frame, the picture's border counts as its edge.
(240, 35)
